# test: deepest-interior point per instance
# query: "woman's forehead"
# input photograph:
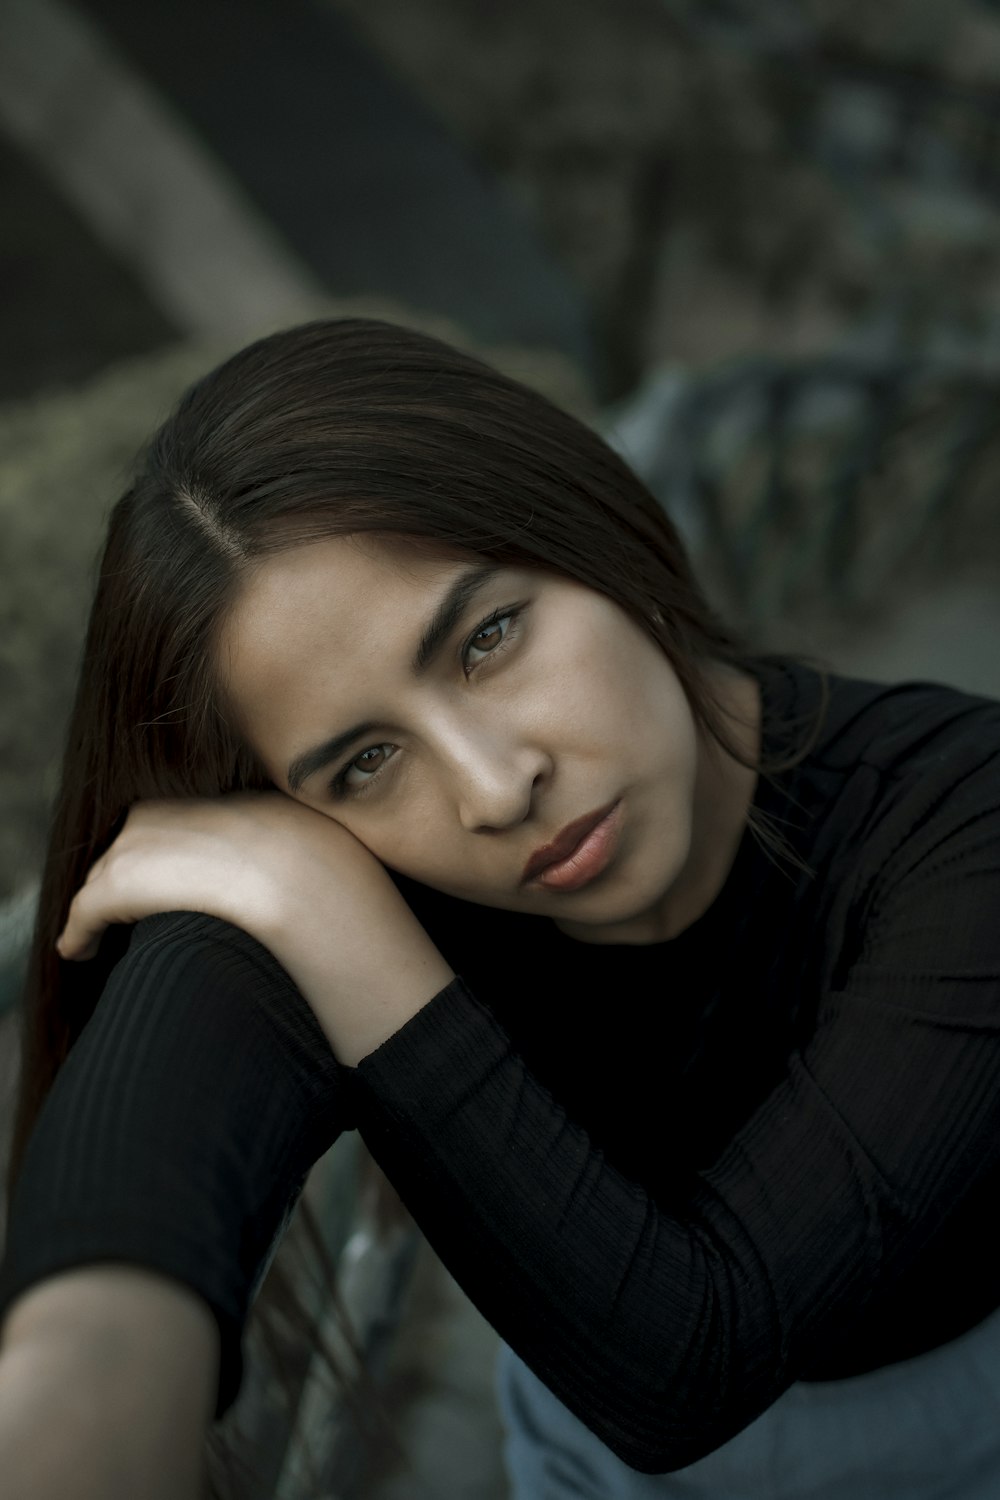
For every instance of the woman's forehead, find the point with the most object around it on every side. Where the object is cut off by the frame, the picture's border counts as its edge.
(351, 580)
(326, 616)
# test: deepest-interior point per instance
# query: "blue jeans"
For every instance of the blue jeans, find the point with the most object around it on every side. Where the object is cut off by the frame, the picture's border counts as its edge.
(925, 1429)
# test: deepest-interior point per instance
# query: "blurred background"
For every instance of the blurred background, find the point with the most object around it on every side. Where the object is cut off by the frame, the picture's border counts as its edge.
(755, 242)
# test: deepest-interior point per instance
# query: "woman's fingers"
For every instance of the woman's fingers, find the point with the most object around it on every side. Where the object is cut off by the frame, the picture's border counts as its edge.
(80, 938)
(74, 945)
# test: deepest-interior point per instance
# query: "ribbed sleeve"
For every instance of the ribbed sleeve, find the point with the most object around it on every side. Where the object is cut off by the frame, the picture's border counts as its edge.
(668, 1321)
(180, 1130)
(675, 1178)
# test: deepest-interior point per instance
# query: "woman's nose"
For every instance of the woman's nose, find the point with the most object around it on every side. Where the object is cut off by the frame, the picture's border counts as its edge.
(492, 778)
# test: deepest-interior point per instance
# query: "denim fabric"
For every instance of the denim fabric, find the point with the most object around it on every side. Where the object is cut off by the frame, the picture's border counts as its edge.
(925, 1429)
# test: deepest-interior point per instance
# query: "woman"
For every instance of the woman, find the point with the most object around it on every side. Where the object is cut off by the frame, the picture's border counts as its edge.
(660, 976)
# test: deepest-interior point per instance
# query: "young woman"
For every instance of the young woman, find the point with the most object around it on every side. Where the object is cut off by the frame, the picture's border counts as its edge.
(412, 786)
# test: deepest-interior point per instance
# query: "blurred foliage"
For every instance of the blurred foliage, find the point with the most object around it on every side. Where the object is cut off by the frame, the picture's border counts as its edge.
(824, 487)
(727, 177)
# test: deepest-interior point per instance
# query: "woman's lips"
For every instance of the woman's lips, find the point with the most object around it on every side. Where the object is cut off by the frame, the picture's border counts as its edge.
(587, 860)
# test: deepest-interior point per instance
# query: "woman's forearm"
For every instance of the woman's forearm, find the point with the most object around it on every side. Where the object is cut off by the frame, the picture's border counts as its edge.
(108, 1375)
(180, 1130)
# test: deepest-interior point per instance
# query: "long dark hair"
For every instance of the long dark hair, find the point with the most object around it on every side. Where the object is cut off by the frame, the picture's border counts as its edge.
(330, 428)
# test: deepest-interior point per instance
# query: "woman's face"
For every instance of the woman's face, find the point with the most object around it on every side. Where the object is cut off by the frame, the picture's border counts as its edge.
(540, 703)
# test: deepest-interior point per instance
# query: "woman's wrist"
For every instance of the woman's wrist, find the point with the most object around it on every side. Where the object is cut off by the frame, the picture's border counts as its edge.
(358, 1012)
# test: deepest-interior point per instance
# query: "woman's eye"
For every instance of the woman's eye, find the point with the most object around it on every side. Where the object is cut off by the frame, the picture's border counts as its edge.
(490, 636)
(367, 765)
(363, 762)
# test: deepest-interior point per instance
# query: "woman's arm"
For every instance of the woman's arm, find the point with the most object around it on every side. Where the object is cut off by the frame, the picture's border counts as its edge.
(667, 1321)
(180, 1130)
(108, 1380)
(666, 1326)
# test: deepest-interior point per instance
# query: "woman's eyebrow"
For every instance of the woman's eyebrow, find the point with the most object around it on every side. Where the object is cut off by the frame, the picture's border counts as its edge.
(459, 594)
(450, 610)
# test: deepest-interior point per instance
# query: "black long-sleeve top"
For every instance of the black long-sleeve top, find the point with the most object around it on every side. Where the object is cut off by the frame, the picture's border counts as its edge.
(675, 1177)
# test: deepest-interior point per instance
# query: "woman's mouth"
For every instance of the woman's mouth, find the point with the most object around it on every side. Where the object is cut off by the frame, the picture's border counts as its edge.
(586, 861)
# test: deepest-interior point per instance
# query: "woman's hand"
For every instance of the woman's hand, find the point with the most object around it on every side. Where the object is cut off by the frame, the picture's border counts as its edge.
(300, 883)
